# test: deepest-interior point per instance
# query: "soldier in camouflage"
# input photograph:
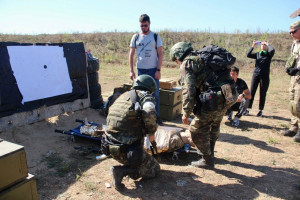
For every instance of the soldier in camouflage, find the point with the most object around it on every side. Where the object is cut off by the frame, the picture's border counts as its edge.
(293, 69)
(205, 127)
(130, 119)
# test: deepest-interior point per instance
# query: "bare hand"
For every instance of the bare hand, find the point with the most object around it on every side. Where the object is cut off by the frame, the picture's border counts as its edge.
(185, 120)
(240, 98)
(151, 138)
(157, 75)
(132, 75)
(254, 43)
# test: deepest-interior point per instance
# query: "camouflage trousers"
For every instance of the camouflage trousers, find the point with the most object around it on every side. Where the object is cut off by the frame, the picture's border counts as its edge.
(205, 129)
(133, 156)
(294, 106)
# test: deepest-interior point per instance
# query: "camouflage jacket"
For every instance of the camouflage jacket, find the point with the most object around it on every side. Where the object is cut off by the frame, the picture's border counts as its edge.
(127, 125)
(194, 75)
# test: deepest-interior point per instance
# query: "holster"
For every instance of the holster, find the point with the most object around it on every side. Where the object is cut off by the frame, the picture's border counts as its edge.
(197, 106)
(209, 100)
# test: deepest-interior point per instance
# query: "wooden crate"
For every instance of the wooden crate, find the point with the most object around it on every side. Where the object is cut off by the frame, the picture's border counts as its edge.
(170, 112)
(25, 190)
(167, 84)
(170, 97)
(13, 164)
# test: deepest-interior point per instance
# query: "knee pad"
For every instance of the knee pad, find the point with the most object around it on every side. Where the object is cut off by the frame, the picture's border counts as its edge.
(134, 156)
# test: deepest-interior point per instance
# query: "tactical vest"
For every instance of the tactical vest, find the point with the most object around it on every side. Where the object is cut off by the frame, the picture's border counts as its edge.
(124, 124)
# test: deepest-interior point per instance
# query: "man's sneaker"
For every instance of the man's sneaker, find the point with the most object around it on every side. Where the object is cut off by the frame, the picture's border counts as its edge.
(297, 137)
(246, 112)
(229, 117)
(259, 114)
(159, 121)
(288, 133)
(235, 122)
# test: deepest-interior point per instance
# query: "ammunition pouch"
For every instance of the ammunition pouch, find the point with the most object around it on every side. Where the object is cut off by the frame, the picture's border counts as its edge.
(108, 146)
(230, 94)
(209, 100)
(291, 61)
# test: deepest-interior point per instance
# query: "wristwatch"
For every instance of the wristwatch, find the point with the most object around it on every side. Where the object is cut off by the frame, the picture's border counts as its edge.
(243, 95)
(157, 69)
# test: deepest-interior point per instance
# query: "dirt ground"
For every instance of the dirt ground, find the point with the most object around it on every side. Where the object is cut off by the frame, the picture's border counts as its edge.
(253, 161)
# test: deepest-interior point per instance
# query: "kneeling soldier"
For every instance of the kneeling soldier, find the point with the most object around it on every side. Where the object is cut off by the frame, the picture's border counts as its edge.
(130, 119)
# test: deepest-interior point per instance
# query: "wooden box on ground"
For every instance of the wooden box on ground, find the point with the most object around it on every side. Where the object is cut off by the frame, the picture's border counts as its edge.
(170, 112)
(25, 190)
(167, 84)
(170, 97)
(13, 165)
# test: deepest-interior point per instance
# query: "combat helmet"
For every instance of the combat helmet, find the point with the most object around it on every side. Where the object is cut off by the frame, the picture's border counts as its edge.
(144, 82)
(180, 50)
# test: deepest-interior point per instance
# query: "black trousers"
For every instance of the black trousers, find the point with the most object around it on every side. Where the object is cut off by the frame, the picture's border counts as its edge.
(263, 81)
(240, 107)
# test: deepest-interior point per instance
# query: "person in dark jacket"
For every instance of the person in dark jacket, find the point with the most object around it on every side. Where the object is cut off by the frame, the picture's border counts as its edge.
(261, 73)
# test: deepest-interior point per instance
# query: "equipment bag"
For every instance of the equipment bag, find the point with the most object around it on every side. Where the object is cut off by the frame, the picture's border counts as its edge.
(216, 57)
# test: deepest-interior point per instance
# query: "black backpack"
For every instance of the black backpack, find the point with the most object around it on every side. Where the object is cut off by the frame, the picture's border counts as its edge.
(216, 57)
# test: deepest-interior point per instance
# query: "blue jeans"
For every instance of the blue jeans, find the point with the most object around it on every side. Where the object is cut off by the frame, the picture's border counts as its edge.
(151, 72)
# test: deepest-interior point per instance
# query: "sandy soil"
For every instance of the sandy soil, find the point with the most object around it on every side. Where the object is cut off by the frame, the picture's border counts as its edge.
(252, 162)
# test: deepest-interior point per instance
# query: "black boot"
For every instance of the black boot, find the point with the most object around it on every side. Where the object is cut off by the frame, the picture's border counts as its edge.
(212, 148)
(297, 137)
(288, 133)
(205, 162)
(118, 173)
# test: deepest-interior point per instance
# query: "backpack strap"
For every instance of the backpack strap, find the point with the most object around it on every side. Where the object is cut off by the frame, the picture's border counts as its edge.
(155, 38)
(137, 35)
(135, 99)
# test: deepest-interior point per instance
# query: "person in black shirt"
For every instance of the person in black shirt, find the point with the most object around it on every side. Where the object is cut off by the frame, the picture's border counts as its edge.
(261, 72)
(243, 99)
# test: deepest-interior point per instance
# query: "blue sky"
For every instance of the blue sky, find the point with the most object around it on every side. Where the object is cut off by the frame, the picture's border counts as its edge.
(68, 16)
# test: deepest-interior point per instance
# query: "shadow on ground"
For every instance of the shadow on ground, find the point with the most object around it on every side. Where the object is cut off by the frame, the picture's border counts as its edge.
(243, 140)
(186, 185)
(284, 179)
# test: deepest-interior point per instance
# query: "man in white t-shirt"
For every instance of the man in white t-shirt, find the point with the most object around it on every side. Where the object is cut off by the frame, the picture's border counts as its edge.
(149, 51)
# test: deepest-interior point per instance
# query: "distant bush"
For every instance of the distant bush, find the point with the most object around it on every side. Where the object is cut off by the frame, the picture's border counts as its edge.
(113, 47)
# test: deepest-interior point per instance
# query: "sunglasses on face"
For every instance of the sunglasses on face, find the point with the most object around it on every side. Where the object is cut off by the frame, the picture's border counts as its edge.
(293, 32)
(145, 25)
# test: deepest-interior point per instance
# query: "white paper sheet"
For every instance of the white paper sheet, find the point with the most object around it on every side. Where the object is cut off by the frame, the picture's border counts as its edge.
(40, 71)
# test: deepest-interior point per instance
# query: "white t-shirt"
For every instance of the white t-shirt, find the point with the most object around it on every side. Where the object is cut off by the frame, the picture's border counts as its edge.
(145, 50)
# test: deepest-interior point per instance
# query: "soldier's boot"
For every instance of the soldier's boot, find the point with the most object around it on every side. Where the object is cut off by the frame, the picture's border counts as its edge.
(212, 148)
(297, 137)
(288, 133)
(206, 161)
(118, 173)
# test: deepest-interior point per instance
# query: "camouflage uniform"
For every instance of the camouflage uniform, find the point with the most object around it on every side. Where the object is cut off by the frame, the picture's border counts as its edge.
(127, 129)
(294, 92)
(205, 127)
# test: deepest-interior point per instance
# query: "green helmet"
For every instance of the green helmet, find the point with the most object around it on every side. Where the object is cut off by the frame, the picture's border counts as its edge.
(145, 82)
(179, 50)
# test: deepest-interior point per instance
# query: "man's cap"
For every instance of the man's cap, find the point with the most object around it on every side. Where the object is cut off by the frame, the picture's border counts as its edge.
(295, 25)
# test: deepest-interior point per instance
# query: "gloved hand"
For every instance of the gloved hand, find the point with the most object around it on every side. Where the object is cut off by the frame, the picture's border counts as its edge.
(292, 71)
